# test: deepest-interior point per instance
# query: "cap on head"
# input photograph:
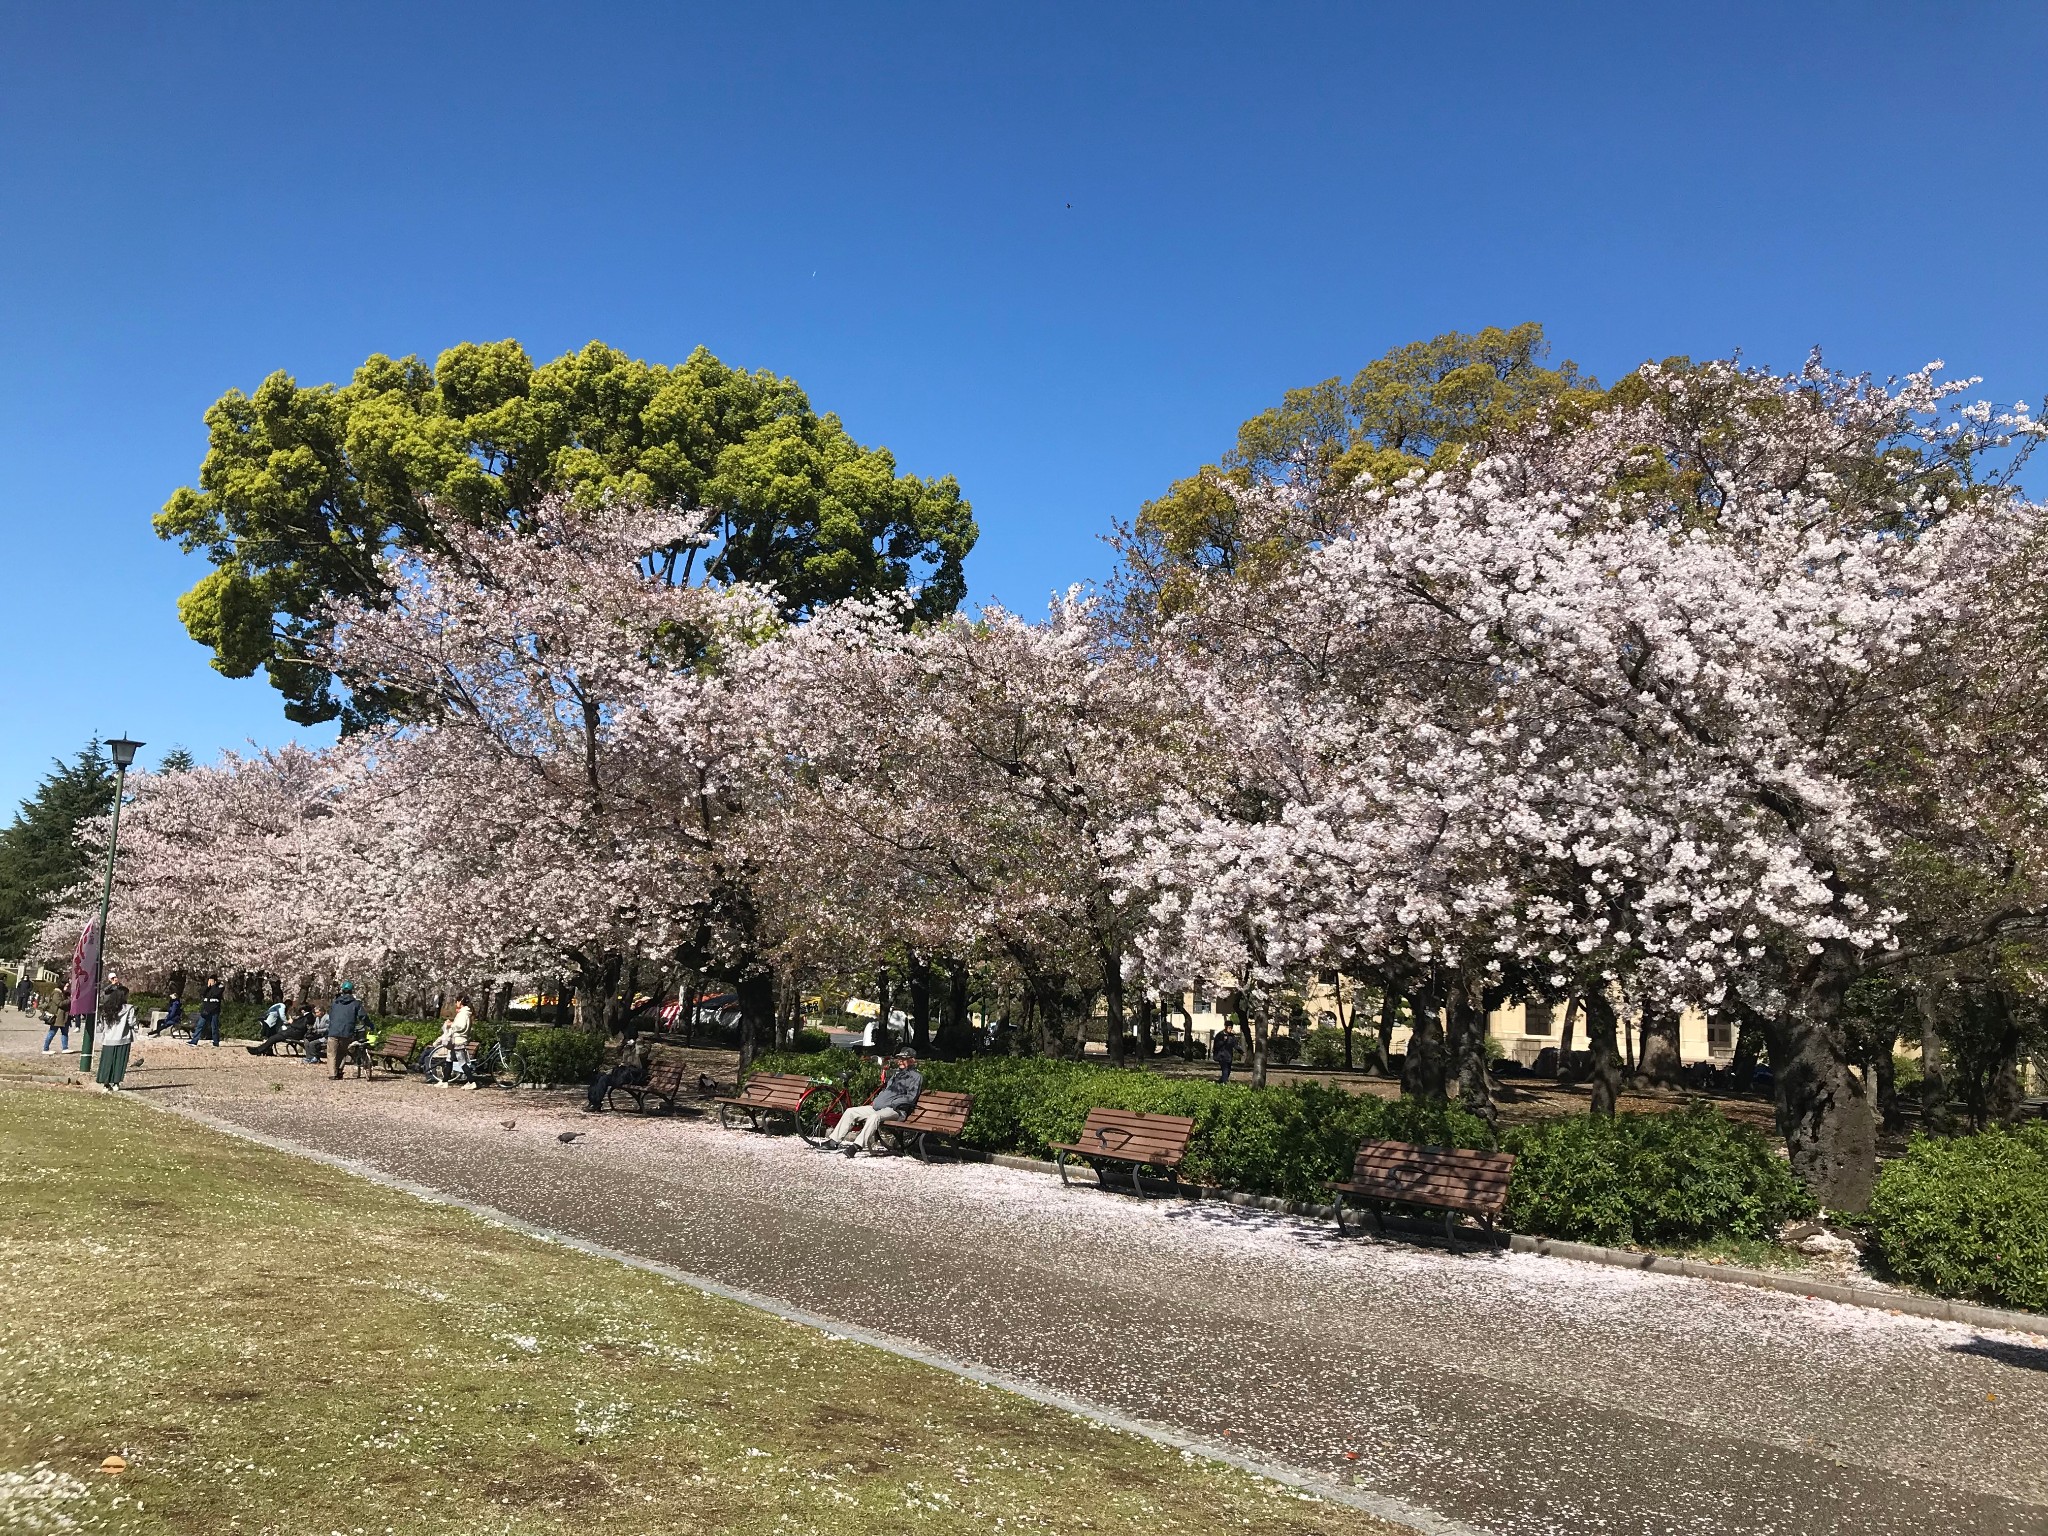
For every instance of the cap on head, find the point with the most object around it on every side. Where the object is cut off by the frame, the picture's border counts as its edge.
(348, 986)
(906, 1054)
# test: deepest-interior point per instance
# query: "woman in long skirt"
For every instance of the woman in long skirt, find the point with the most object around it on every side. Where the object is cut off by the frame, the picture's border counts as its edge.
(113, 1049)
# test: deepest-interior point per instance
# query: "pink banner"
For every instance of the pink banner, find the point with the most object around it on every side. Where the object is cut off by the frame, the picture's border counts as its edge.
(85, 964)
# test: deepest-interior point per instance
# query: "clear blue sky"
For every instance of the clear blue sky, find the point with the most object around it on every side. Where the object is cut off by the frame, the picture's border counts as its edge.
(874, 200)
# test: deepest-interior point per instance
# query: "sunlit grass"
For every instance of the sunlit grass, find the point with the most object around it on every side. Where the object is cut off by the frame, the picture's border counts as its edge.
(276, 1346)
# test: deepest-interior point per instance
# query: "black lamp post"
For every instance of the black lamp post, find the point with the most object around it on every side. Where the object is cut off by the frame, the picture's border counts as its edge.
(123, 752)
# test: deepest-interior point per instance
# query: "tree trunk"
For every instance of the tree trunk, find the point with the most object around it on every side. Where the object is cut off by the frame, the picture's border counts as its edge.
(1565, 1074)
(1113, 1005)
(1256, 1030)
(1750, 1043)
(1390, 1019)
(1934, 1115)
(1423, 1074)
(1468, 1049)
(1823, 1109)
(757, 1014)
(1605, 1075)
(921, 1004)
(1886, 1071)
(1345, 1020)
(1145, 1041)
(956, 1030)
(1660, 1061)
(884, 1029)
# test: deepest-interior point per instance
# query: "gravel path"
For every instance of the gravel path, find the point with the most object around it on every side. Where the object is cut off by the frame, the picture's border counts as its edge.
(1517, 1393)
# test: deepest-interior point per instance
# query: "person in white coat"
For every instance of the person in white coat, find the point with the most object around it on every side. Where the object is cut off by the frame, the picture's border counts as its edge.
(453, 1041)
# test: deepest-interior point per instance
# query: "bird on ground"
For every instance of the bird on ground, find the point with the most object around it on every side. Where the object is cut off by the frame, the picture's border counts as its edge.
(508, 1124)
(568, 1135)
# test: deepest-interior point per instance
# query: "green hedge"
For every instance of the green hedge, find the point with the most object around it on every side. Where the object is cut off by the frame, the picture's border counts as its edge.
(1642, 1179)
(1289, 1141)
(552, 1056)
(1968, 1216)
(1650, 1180)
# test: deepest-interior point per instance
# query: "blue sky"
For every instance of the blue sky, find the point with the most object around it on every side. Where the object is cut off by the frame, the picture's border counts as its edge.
(874, 200)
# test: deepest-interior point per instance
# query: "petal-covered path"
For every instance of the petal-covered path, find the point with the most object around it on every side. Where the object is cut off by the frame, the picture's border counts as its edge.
(1510, 1392)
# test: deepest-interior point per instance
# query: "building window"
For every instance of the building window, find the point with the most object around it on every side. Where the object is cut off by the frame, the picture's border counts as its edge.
(1536, 1018)
(1202, 1000)
(1720, 1036)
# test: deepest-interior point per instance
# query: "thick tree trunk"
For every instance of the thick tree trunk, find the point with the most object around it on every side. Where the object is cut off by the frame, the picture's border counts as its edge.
(1346, 1020)
(1424, 1073)
(1113, 1006)
(757, 1014)
(1390, 1019)
(956, 1031)
(1565, 1074)
(1605, 1050)
(1145, 1038)
(920, 1004)
(1468, 1049)
(884, 1029)
(1823, 1109)
(1660, 1061)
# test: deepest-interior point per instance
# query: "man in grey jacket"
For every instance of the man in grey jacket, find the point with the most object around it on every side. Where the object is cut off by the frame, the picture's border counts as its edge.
(901, 1084)
(346, 1018)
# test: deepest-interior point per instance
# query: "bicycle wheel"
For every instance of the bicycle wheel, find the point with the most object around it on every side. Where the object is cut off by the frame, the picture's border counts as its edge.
(817, 1112)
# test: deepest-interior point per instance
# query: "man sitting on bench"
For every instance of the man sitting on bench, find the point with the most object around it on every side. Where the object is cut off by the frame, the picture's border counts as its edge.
(901, 1084)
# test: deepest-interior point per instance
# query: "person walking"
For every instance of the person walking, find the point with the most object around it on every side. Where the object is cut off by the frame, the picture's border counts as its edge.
(24, 989)
(1225, 1052)
(60, 1020)
(346, 1018)
(209, 1011)
(116, 1035)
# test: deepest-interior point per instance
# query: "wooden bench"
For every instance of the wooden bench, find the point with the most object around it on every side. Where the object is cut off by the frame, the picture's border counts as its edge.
(1443, 1181)
(393, 1052)
(938, 1114)
(666, 1077)
(766, 1093)
(1123, 1137)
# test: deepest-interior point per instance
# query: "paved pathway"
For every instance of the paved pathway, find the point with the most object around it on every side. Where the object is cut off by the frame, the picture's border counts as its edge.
(1515, 1393)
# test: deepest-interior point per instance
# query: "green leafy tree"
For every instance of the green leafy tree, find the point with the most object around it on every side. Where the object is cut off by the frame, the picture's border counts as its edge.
(303, 488)
(1420, 404)
(40, 856)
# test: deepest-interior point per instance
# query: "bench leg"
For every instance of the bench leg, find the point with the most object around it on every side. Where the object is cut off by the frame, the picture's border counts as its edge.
(1450, 1231)
(1059, 1161)
(920, 1149)
(725, 1117)
(1340, 1214)
(1137, 1182)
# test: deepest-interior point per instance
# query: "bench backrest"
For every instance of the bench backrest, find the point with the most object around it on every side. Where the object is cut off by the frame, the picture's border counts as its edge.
(1445, 1177)
(775, 1090)
(666, 1073)
(397, 1045)
(1125, 1133)
(940, 1112)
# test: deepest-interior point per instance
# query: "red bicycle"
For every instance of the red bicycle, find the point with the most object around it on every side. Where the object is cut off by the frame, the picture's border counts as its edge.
(818, 1111)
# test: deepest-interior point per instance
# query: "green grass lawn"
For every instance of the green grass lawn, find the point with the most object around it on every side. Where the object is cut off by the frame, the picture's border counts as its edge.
(276, 1346)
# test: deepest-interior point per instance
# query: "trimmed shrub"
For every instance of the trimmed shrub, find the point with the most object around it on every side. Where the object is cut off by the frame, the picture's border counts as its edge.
(1324, 1049)
(1968, 1216)
(553, 1056)
(1646, 1180)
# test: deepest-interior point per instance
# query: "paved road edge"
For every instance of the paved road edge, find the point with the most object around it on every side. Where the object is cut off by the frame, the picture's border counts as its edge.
(1386, 1507)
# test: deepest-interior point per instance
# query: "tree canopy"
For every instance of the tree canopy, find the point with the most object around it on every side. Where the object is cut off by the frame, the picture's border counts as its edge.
(303, 488)
(1425, 403)
(41, 855)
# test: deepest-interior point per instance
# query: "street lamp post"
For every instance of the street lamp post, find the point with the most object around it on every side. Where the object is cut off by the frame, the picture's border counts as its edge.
(123, 751)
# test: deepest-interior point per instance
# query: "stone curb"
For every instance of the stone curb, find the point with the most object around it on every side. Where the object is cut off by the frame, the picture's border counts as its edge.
(1385, 1507)
(1907, 1302)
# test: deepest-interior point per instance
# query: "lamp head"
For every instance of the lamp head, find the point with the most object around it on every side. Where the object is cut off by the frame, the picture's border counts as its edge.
(124, 751)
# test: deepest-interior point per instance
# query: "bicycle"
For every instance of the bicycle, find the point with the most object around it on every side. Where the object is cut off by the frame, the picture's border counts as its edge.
(819, 1110)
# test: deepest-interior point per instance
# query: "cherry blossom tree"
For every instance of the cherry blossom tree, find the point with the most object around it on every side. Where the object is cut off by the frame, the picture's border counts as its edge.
(1682, 699)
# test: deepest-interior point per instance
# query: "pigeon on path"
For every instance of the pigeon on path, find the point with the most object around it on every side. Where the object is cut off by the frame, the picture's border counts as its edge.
(568, 1135)
(508, 1124)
